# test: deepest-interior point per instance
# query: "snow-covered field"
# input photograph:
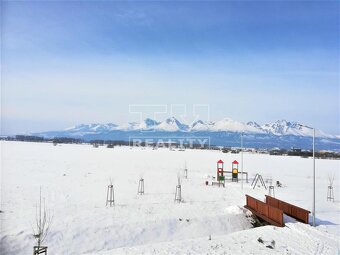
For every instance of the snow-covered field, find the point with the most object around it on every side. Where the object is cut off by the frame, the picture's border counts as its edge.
(74, 181)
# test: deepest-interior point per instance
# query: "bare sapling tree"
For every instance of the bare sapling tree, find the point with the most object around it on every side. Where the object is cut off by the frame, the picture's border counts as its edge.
(331, 179)
(43, 221)
(178, 179)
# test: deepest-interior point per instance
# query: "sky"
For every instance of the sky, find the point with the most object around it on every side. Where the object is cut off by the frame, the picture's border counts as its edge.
(65, 63)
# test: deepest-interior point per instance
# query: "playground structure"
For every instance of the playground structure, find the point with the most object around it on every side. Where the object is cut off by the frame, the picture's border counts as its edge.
(273, 209)
(257, 178)
(220, 173)
(234, 171)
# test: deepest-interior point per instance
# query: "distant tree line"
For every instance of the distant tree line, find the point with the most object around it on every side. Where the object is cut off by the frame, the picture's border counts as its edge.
(29, 138)
(305, 153)
(109, 143)
(113, 143)
(65, 140)
(32, 138)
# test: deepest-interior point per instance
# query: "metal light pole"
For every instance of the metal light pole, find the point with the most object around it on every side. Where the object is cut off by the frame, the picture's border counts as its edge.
(313, 177)
(313, 210)
(242, 160)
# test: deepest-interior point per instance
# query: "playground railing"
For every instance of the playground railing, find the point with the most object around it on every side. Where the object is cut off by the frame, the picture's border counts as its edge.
(291, 210)
(270, 214)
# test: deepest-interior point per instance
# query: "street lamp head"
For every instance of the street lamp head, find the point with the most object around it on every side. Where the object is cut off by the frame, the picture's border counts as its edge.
(305, 126)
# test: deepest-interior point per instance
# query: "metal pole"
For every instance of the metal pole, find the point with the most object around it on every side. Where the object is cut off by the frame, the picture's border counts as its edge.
(39, 240)
(313, 210)
(313, 177)
(242, 160)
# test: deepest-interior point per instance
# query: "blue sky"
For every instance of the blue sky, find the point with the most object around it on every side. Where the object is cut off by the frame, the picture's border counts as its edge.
(65, 63)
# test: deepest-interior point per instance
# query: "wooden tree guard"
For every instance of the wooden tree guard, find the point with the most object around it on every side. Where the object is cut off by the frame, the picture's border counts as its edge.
(141, 187)
(178, 194)
(271, 191)
(37, 250)
(330, 194)
(110, 196)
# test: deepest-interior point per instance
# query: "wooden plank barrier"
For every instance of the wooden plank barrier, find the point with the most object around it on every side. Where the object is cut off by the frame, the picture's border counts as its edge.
(291, 210)
(268, 213)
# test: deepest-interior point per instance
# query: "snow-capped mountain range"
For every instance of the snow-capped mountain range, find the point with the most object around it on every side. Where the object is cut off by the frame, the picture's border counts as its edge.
(225, 132)
(278, 128)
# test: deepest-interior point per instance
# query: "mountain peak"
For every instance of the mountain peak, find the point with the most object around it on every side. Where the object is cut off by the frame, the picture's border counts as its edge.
(253, 124)
(171, 119)
(150, 122)
(198, 122)
(172, 124)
